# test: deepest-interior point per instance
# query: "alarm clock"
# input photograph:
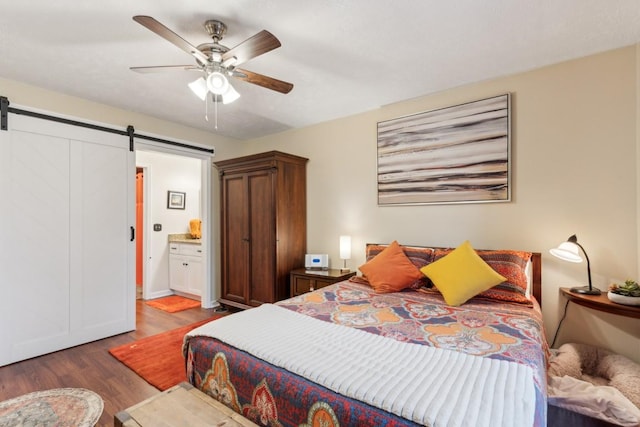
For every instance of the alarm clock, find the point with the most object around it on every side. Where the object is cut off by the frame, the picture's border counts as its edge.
(316, 261)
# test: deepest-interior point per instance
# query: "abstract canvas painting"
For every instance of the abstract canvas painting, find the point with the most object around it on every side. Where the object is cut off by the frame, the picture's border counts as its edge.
(457, 154)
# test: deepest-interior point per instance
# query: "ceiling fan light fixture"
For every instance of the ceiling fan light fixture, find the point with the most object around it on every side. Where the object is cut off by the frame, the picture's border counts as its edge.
(230, 95)
(217, 61)
(199, 88)
(217, 83)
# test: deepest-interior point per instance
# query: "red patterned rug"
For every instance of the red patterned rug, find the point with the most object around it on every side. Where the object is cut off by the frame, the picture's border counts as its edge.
(158, 358)
(60, 407)
(173, 303)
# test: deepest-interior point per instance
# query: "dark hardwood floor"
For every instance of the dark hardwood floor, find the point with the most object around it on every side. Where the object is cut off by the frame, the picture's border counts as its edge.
(91, 366)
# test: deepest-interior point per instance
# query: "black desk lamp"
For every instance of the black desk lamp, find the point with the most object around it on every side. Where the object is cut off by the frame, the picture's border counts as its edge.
(568, 251)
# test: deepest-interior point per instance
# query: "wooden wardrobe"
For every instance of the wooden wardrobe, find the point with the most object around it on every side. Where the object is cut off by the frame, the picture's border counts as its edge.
(263, 226)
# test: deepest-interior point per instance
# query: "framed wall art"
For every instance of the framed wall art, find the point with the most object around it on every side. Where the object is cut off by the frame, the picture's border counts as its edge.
(458, 154)
(175, 200)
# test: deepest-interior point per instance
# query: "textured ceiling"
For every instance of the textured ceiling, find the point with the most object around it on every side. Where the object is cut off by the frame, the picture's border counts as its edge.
(343, 56)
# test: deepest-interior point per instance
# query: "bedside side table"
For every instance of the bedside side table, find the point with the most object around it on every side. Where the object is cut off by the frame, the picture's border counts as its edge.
(601, 303)
(303, 280)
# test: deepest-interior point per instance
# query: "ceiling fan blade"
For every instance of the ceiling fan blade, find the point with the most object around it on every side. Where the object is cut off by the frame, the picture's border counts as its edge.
(162, 68)
(260, 43)
(262, 80)
(155, 26)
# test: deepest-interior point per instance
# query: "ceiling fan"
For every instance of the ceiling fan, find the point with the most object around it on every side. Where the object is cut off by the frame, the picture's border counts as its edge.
(217, 62)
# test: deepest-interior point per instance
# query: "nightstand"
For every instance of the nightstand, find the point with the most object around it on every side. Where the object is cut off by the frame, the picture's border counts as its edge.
(303, 280)
(601, 303)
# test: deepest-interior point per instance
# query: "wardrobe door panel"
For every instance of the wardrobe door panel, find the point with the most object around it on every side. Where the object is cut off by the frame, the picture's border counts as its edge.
(262, 234)
(235, 237)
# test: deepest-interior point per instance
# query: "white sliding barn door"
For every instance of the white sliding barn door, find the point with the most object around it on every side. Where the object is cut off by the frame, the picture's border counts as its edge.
(66, 259)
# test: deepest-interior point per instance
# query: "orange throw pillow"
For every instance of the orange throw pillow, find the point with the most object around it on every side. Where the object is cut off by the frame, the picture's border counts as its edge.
(390, 270)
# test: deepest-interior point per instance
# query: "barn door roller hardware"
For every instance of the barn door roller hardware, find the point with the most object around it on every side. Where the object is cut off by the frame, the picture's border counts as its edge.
(4, 112)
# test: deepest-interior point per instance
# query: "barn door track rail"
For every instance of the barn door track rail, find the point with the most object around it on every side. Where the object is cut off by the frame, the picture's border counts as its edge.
(5, 109)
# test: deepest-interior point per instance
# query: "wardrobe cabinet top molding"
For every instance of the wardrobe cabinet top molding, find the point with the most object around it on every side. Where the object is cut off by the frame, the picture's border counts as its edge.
(250, 162)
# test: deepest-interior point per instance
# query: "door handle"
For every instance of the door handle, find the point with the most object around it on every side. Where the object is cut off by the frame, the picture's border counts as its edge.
(133, 234)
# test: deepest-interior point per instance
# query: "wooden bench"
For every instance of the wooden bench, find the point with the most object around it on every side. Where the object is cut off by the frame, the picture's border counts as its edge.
(180, 406)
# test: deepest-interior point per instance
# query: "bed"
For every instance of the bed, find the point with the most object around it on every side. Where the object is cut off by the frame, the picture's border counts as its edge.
(352, 355)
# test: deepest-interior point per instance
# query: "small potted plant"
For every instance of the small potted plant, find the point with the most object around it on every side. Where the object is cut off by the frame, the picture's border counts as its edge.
(627, 294)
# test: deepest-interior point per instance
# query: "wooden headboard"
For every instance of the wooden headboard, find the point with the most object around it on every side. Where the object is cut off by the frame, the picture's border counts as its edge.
(536, 276)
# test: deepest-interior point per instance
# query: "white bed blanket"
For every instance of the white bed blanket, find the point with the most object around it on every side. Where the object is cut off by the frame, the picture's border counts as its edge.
(430, 386)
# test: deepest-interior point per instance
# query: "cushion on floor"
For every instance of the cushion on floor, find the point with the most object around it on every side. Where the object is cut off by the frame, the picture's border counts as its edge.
(599, 367)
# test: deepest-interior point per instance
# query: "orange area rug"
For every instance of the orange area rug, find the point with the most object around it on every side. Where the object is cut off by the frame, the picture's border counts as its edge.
(173, 303)
(158, 358)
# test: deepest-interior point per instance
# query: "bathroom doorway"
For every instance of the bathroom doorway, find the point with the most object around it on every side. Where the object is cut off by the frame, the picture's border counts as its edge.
(164, 171)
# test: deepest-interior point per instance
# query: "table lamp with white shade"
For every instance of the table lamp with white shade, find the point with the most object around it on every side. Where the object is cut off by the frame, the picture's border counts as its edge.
(345, 252)
(569, 251)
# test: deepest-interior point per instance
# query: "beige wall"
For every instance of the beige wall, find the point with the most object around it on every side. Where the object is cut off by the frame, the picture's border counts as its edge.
(574, 165)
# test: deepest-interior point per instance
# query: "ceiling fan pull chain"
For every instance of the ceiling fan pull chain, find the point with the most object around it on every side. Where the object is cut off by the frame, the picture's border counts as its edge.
(215, 108)
(206, 110)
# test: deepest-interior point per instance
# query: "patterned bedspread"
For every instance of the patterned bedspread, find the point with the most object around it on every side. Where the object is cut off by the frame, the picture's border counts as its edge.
(273, 396)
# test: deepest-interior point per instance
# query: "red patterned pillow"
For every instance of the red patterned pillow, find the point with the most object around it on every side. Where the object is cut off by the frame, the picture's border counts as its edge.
(419, 256)
(510, 264)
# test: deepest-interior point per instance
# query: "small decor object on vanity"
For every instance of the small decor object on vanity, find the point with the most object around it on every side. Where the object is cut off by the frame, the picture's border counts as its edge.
(195, 228)
(627, 294)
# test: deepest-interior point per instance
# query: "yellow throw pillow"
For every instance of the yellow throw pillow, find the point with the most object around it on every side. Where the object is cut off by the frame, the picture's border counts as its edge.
(390, 270)
(461, 275)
